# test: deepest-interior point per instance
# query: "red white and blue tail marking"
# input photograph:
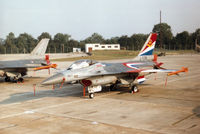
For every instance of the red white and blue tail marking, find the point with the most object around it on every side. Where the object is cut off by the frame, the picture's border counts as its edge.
(149, 45)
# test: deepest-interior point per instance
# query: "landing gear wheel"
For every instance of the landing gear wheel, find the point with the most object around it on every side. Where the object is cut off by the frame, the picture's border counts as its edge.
(91, 95)
(113, 87)
(15, 79)
(7, 79)
(134, 89)
(20, 79)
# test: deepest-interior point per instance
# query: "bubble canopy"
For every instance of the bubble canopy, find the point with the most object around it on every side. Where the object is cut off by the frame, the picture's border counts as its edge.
(81, 64)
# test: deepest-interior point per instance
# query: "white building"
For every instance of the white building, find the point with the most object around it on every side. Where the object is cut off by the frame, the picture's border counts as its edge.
(91, 47)
(76, 49)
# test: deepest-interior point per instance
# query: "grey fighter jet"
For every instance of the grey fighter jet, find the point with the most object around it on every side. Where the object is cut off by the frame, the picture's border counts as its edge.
(94, 75)
(15, 69)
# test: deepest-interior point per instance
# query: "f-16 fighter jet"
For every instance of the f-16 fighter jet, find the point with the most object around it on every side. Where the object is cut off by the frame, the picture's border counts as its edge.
(14, 70)
(94, 75)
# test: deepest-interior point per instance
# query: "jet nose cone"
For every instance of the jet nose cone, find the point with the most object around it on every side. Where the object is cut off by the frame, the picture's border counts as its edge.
(55, 79)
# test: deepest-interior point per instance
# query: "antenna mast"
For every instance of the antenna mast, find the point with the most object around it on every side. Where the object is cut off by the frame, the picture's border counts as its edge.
(160, 32)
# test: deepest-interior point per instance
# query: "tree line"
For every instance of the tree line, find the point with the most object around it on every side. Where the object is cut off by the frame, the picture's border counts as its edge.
(62, 43)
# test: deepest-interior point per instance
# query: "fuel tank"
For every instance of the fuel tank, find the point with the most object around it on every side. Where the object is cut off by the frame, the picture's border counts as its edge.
(100, 80)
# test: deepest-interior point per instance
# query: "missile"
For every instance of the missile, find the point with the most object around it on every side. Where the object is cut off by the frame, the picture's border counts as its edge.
(45, 67)
(179, 71)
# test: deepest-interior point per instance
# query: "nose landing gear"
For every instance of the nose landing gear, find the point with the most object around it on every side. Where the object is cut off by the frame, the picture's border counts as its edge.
(91, 95)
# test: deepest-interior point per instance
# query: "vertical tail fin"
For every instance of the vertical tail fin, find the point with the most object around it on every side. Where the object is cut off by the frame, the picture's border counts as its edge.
(149, 45)
(41, 47)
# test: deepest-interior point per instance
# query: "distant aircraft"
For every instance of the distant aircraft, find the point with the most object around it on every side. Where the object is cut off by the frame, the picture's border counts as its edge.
(14, 70)
(94, 75)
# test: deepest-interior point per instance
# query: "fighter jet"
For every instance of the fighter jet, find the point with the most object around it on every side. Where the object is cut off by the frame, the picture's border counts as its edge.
(14, 70)
(94, 75)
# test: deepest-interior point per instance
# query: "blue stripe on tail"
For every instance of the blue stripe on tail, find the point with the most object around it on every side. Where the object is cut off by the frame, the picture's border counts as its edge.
(148, 53)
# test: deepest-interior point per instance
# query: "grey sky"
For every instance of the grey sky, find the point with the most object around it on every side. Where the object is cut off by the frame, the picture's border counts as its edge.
(81, 18)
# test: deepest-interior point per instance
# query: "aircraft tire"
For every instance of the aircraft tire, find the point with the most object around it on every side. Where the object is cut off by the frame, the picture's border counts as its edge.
(134, 89)
(14, 79)
(113, 87)
(91, 95)
(20, 79)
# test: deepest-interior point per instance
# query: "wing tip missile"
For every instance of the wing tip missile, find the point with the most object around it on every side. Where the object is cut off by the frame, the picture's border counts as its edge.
(183, 69)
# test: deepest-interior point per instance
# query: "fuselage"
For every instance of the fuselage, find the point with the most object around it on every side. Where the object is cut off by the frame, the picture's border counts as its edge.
(119, 70)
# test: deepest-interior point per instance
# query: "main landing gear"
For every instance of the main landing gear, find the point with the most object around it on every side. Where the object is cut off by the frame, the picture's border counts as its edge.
(92, 89)
(14, 79)
(134, 89)
(20, 79)
(113, 87)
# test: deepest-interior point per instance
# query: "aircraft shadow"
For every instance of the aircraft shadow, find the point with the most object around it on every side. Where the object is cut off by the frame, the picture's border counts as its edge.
(26, 96)
(26, 79)
(65, 91)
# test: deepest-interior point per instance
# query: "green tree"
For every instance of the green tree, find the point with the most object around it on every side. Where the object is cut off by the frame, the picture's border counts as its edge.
(95, 38)
(195, 37)
(71, 44)
(124, 41)
(182, 40)
(2, 46)
(165, 34)
(60, 40)
(2, 49)
(113, 40)
(137, 41)
(197, 34)
(10, 42)
(25, 43)
(44, 35)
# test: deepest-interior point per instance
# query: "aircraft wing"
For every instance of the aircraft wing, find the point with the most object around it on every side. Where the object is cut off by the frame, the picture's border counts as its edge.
(20, 64)
(108, 69)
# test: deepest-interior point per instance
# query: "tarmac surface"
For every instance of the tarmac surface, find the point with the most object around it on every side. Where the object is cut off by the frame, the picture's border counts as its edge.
(171, 109)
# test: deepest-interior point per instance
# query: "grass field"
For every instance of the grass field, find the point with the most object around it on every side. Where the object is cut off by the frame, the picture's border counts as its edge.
(120, 54)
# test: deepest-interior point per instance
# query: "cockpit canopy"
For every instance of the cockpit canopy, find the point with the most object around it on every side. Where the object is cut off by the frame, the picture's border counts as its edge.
(81, 64)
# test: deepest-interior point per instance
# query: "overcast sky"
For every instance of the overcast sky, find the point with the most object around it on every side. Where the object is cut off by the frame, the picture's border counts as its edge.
(110, 18)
